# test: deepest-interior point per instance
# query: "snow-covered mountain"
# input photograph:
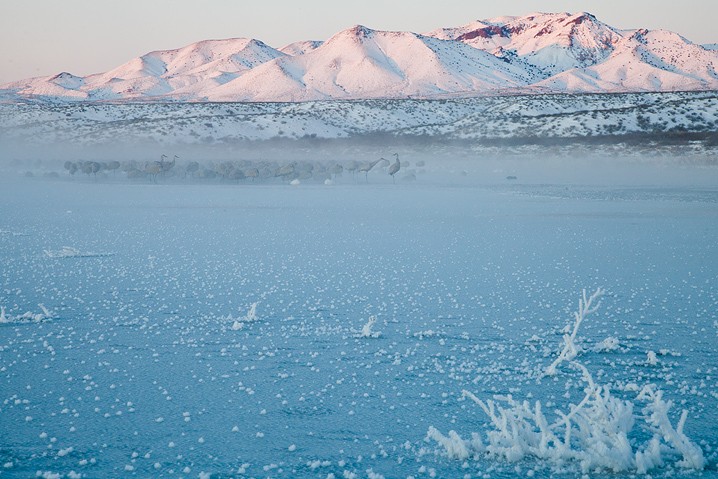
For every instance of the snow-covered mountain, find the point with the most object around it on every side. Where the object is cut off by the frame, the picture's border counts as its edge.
(645, 61)
(551, 43)
(537, 53)
(184, 73)
(364, 63)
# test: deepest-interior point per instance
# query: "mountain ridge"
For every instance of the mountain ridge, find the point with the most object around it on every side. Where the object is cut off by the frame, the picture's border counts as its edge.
(539, 52)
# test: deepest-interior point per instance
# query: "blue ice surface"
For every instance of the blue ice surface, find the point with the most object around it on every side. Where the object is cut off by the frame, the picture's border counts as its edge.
(140, 373)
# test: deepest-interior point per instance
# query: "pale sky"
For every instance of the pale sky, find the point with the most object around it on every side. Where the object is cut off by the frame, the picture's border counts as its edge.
(45, 37)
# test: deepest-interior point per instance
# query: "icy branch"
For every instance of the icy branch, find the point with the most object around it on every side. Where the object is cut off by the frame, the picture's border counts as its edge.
(570, 349)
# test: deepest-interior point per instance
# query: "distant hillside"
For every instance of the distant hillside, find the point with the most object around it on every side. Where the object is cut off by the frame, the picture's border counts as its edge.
(659, 116)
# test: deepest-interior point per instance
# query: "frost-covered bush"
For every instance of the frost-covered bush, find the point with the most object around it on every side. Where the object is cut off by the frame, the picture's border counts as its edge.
(598, 433)
(366, 330)
(238, 323)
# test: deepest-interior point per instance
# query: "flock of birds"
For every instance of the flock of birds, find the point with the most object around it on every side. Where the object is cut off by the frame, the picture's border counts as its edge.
(238, 170)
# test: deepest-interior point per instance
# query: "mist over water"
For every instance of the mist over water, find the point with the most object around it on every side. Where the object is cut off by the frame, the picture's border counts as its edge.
(317, 321)
(426, 163)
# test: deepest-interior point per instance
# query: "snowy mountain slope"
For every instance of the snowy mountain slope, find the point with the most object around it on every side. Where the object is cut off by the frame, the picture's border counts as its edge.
(578, 53)
(63, 85)
(185, 72)
(301, 47)
(646, 60)
(364, 63)
(475, 119)
(549, 42)
(537, 53)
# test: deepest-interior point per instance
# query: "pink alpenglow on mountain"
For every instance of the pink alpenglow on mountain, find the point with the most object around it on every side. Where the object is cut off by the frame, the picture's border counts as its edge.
(537, 53)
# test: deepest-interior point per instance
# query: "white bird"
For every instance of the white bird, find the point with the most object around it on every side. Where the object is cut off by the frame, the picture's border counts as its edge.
(394, 168)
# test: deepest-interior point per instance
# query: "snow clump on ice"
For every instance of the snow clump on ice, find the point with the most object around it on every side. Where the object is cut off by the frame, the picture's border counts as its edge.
(250, 317)
(28, 317)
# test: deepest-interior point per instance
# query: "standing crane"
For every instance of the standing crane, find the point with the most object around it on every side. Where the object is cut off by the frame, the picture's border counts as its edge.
(168, 165)
(394, 168)
(367, 167)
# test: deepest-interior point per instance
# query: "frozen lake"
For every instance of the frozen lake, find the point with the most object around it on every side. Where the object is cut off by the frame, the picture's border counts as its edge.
(146, 367)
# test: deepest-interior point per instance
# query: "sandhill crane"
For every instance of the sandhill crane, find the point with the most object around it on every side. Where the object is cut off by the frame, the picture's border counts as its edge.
(224, 168)
(366, 167)
(113, 166)
(251, 173)
(91, 167)
(352, 167)
(336, 170)
(157, 167)
(152, 169)
(71, 167)
(168, 165)
(394, 168)
(236, 174)
(191, 167)
(286, 170)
